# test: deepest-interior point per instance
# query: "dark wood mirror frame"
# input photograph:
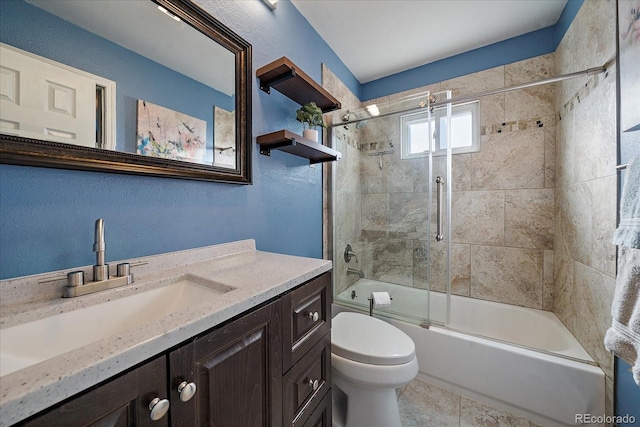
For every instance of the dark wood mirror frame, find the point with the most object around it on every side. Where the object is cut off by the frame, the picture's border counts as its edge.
(34, 152)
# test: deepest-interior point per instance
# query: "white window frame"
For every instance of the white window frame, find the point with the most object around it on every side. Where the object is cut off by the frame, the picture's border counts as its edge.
(421, 117)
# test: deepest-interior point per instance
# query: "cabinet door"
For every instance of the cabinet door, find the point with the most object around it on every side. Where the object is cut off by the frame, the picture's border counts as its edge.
(121, 402)
(238, 373)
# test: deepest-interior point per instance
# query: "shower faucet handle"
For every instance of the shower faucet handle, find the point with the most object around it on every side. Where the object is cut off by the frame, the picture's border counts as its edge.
(348, 254)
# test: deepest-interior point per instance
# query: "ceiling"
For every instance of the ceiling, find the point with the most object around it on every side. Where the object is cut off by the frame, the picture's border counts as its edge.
(377, 38)
(140, 27)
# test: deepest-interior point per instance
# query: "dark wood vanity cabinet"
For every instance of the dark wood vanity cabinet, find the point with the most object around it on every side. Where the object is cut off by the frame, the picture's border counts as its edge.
(121, 402)
(270, 367)
(307, 352)
(237, 369)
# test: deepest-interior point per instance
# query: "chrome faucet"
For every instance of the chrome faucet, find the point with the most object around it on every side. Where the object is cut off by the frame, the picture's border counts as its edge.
(354, 271)
(101, 281)
(100, 270)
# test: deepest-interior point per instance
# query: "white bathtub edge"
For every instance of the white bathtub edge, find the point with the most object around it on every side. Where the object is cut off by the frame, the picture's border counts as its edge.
(489, 390)
(485, 390)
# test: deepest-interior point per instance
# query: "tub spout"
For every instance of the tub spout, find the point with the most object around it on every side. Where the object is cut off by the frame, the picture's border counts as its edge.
(354, 271)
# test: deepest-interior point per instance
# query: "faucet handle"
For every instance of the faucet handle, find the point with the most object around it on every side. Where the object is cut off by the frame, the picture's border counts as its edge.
(123, 269)
(348, 254)
(75, 278)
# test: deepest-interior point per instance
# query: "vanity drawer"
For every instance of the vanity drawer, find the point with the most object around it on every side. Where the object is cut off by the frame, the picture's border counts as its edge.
(321, 416)
(307, 383)
(306, 318)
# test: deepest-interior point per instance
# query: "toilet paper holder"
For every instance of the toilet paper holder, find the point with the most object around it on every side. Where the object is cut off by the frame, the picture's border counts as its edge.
(371, 304)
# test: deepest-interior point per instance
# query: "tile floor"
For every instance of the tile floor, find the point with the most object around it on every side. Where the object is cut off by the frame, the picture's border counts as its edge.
(424, 405)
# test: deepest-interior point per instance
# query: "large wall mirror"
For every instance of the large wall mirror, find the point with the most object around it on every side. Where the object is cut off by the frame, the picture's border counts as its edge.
(154, 87)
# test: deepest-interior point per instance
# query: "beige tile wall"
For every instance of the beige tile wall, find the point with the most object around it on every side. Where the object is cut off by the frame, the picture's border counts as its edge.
(533, 211)
(502, 204)
(586, 194)
(343, 213)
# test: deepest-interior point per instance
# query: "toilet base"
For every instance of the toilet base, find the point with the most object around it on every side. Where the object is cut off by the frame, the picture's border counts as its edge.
(365, 407)
(338, 407)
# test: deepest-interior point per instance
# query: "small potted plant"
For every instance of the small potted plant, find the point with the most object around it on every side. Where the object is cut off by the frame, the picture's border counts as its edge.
(310, 115)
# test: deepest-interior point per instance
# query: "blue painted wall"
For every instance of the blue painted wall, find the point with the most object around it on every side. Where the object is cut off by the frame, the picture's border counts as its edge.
(627, 392)
(47, 215)
(566, 18)
(515, 49)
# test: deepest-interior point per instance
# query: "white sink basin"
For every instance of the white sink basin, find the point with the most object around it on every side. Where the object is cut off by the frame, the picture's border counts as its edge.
(33, 342)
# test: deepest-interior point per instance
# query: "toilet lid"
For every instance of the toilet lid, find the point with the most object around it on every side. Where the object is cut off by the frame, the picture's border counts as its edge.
(366, 339)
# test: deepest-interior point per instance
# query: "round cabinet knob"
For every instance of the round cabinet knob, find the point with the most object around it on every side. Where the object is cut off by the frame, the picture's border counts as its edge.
(313, 315)
(186, 391)
(159, 408)
(314, 384)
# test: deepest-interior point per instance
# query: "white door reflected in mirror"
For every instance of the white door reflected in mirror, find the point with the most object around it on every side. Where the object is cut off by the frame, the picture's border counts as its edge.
(44, 99)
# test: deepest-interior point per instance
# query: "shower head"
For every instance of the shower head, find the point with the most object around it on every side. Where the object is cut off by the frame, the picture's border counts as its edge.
(350, 117)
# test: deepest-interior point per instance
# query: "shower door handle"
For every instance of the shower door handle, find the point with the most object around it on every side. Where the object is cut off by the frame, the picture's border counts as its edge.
(439, 196)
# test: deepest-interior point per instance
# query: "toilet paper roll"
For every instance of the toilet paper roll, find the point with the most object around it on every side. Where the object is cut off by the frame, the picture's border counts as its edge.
(381, 299)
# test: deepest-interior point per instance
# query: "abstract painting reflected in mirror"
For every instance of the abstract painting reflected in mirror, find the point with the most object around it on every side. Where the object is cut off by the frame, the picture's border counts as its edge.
(170, 134)
(224, 150)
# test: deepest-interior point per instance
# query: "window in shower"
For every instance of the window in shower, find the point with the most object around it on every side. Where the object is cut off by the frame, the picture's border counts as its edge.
(465, 131)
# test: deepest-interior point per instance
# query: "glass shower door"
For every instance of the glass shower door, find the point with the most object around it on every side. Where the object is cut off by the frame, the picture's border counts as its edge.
(383, 209)
(439, 234)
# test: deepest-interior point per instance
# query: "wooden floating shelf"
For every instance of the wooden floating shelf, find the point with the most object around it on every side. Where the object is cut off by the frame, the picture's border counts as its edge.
(285, 77)
(292, 143)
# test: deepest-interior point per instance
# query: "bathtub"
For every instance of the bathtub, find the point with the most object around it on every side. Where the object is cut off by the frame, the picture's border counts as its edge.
(517, 359)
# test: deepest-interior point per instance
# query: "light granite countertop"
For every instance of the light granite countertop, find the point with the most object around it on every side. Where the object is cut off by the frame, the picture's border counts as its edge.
(256, 276)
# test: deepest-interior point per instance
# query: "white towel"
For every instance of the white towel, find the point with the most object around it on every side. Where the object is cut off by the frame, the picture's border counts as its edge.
(628, 231)
(623, 337)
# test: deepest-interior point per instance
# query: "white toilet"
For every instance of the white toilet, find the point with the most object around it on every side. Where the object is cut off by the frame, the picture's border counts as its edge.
(370, 359)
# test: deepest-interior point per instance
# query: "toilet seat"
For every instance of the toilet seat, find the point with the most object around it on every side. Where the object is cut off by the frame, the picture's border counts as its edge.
(365, 339)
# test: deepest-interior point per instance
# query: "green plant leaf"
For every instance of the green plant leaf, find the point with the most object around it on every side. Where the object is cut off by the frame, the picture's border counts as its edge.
(310, 115)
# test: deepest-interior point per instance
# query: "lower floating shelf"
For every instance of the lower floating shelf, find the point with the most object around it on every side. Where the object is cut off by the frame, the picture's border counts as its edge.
(292, 143)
